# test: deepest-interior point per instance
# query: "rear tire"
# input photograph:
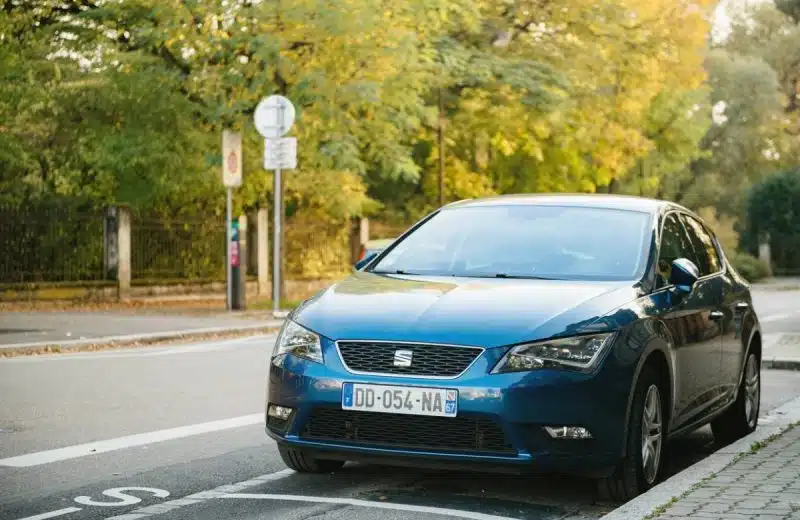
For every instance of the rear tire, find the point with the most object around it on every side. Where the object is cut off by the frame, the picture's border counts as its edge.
(302, 462)
(642, 466)
(741, 418)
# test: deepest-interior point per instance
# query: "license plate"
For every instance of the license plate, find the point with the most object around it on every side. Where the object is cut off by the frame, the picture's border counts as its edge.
(408, 400)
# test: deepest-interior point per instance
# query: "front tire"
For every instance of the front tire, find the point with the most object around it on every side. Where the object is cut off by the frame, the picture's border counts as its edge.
(741, 418)
(303, 462)
(642, 465)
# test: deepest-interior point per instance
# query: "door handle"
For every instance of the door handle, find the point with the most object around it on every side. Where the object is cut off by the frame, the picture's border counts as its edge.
(742, 306)
(716, 315)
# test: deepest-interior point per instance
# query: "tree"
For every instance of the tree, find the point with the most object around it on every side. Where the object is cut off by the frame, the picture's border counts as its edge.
(774, 36)
(743, 141)
(564, 95)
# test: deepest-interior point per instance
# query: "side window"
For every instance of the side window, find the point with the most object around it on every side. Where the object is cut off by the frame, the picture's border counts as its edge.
(674, 244)
(706, 252)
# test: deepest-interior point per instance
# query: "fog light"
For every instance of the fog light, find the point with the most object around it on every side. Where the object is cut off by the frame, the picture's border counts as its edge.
(279, 412)
(568, 432)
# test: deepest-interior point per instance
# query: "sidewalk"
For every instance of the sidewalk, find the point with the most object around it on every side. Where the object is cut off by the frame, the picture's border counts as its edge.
(21, 331)
(755, 478)
(762, 485)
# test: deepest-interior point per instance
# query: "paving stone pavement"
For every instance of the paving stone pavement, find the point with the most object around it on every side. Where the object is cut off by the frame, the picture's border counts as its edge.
(764, 485)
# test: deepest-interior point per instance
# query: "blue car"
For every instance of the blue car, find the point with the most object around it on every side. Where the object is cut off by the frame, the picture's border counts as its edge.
(574, 334)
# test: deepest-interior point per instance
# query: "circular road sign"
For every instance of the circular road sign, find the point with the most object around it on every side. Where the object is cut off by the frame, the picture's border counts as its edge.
(274, 116)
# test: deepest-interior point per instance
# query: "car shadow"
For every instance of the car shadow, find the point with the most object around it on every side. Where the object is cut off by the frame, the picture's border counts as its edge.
(528, 497)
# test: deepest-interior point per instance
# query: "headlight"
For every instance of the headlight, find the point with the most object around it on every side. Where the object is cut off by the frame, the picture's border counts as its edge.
(298, 341)
(580, 352)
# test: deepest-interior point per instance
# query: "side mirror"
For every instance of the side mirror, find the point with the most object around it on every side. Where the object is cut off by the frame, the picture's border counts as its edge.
(683, 275)
(364, 261)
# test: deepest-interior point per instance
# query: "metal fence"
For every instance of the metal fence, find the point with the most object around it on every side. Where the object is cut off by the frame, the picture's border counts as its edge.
(168, 249)
(316, 250)
(50, 241)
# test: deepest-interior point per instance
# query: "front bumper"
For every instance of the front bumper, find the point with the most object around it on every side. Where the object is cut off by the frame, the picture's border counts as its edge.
(515, 406)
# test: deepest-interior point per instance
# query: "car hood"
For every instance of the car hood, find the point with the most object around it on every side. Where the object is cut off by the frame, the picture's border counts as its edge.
(464, 311)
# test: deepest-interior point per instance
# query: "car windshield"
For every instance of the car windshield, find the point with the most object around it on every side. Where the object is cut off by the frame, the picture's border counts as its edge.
(525, 241)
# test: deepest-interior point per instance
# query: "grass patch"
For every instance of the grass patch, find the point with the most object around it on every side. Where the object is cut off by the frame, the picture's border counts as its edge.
(756, 446)
(660, 510)
(266, 305)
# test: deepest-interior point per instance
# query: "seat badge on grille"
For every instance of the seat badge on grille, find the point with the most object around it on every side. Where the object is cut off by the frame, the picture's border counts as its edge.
(402, 358)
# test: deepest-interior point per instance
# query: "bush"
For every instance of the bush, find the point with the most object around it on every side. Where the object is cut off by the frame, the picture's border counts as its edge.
(772, 211)
(750, 267)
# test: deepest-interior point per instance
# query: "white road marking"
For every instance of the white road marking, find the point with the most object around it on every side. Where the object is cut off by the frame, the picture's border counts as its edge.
(141, 439)
(204, 347)
(123, 498)
(202, 496)
(367, 503)
(776, 317)
(52, 514)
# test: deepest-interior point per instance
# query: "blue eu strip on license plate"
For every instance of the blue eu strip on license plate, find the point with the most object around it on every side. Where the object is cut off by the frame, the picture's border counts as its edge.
(347, 395)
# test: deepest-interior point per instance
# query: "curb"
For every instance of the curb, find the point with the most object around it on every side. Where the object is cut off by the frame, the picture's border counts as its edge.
(774, 423)
(782, 363)
(132, 338)
(778, 362)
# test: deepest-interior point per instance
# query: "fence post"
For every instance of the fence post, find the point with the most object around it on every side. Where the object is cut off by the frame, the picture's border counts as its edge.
(124, 252)
(764, 250)
(110, 243)
(262, 245)
(359, 236)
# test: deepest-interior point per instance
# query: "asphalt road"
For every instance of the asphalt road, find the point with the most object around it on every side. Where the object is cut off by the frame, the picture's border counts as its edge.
(177, 433)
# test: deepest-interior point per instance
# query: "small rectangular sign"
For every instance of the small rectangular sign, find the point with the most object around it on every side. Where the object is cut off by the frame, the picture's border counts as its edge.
(280, 153)
(231, 159)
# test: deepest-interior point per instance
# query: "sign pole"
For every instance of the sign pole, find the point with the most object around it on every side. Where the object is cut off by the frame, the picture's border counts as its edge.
(228, 268)
(276, 238)
(276, 246)
(273, 117)
(231, 177)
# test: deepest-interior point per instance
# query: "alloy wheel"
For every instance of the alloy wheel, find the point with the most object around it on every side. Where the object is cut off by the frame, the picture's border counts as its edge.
(651, 434)
(752, 390)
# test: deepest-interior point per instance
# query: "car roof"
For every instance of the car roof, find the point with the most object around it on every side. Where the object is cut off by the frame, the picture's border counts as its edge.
(622, 202)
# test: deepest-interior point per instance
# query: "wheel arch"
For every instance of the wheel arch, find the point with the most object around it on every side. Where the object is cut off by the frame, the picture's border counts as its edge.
(656, 353)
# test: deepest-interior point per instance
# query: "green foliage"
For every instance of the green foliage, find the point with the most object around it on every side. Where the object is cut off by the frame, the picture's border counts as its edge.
(750, 267)
(773, 213)
(789, 7)
(117, 101)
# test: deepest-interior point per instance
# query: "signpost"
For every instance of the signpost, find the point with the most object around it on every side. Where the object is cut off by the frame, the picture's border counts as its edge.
(274, 117)
(231, 177)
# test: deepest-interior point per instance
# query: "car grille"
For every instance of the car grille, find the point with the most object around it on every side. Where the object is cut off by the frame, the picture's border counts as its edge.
(462, 433)
(427, 360)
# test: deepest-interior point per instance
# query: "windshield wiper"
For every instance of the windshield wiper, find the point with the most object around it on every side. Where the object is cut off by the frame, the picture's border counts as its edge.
(396, 271)
(522, 277)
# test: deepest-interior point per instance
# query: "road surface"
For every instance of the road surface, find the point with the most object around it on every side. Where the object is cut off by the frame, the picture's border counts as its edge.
(176, 433)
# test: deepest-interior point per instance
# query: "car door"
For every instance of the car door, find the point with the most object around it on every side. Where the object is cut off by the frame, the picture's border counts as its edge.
(712, 285)
(730, 300)
(695, 335)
